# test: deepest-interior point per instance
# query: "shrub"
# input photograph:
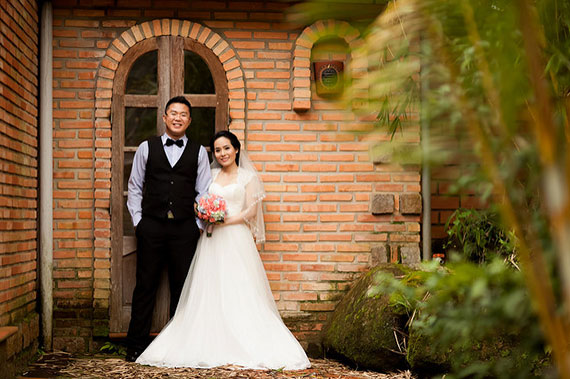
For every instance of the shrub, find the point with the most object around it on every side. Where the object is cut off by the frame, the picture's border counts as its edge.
(473, 320)
(478, 236)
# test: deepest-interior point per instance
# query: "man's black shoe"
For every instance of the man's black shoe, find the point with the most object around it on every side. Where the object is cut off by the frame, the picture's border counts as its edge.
(132, 355)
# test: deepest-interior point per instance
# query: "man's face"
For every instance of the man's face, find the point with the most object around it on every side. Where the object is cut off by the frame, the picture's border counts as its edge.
(177, 119)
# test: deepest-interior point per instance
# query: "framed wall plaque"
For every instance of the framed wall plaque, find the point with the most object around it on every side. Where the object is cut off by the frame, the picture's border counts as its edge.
(328, 78)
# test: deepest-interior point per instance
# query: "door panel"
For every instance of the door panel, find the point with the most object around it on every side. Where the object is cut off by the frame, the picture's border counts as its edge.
(150, 73)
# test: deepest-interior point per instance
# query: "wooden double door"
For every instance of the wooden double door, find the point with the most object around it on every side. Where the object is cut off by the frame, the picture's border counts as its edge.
(150, 73)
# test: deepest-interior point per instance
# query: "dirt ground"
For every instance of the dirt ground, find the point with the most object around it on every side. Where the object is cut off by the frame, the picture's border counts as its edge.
(63, 365)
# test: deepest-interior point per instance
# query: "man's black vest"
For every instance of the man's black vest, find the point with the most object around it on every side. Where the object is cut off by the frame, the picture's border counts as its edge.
(170, 188)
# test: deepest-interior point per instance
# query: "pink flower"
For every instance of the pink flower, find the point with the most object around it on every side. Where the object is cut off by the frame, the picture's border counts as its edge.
(212, 209)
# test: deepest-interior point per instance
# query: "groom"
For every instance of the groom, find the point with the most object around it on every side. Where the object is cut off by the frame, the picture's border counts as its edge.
(169, 174)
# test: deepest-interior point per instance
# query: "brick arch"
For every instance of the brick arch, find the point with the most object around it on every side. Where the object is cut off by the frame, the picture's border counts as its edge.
(103, 102)
(302, 56)
(173, 27)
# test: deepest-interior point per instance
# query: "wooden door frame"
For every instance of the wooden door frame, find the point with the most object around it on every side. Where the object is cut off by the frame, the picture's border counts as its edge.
(168, 84)
(119, 102)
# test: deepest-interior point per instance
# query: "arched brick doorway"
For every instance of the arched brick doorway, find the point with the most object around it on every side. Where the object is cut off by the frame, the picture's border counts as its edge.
(169, 39)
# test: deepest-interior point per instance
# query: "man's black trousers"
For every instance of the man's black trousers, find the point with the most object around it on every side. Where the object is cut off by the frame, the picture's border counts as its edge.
(160, 243)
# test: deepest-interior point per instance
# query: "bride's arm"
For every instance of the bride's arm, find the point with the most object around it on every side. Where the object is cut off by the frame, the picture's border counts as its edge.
(250, 203)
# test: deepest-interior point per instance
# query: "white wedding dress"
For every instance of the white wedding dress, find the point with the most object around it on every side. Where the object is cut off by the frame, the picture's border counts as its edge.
(226, 314)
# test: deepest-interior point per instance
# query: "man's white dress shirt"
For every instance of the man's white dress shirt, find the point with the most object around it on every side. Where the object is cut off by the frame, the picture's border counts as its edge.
(173, 153)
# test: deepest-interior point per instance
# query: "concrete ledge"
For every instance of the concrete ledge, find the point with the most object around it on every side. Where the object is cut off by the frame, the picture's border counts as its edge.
(6, 332)
(18, 345)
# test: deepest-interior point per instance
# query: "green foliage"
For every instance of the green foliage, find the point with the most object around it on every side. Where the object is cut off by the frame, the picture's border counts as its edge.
(113, 348)
(478, 235)
(405, 291)
(481, 313)
(493, 100)
(479, 317)
(558, 35)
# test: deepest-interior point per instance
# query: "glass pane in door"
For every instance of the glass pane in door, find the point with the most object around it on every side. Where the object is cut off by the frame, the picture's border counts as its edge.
(143, 77)
(203, 125)
(128, 228)
(128, 164)
(140, 124)
(197, 75)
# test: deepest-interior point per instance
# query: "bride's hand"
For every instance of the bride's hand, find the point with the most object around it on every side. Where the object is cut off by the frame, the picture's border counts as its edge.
(232, 220)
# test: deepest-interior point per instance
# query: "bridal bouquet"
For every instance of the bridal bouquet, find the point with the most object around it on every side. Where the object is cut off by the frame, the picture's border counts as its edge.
(212, 209)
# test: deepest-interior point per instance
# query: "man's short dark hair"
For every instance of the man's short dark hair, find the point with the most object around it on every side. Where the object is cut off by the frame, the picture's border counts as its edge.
(178, 99)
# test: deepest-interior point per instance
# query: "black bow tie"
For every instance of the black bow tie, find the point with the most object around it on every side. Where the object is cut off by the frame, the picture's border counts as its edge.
(178, 142)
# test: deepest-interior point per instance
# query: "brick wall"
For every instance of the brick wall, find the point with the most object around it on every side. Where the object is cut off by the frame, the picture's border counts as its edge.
(330, 211)
(18, 176)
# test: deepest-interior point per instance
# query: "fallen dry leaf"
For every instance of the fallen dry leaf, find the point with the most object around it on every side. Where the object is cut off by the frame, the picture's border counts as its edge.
(64, 365)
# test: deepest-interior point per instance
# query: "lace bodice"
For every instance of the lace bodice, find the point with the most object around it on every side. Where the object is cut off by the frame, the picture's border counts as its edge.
(233, 193)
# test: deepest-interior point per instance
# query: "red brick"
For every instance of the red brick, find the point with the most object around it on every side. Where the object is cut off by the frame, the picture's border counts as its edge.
(237, 34)
(283, 147)
(249, 45)
(273, 55)
(252, 25)
(300, 257)
(316, 307)
(303, 178)
(282, 286)
(280, 267)
(338, 178)
(299, 237)
(318, 247)
(282, 227)
(337, 218)
(300, 198)
(319, 208)
(270, 35)
(299, 218)
(335, 237)
(389, 187)
(301, 296)
(319, 228)
(286, 167)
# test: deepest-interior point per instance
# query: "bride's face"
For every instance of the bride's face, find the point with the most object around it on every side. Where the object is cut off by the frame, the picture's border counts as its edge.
(224, 152)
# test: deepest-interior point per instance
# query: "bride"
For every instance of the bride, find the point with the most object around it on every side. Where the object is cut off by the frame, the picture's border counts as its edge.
(226, 314)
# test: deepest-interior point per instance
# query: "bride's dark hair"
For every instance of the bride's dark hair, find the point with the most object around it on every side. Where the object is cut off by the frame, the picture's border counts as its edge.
(233, 140)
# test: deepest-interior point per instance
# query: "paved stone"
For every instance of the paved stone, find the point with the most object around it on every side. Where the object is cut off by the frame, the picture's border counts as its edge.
(382, 204)
(410, 255)
(380, 254)
(410, 203)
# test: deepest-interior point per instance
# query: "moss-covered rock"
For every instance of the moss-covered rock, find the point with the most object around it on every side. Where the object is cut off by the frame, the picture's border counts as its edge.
(361, 329)
(424, 358)
(429, 358)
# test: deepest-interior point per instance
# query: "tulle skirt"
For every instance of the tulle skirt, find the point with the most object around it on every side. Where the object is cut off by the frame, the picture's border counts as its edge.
(226, 313)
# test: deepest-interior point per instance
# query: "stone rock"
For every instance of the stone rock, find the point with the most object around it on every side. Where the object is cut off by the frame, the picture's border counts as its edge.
(410, 255)
(361, 329)
(428, 360)
(410, 204)
(424, 358)
(379, 254)
(382, 204)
